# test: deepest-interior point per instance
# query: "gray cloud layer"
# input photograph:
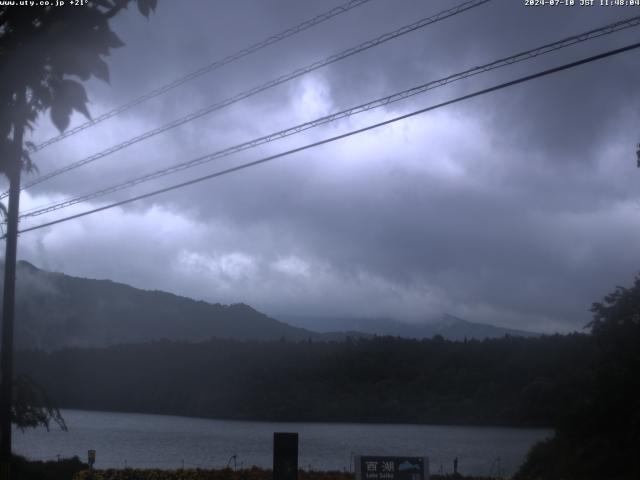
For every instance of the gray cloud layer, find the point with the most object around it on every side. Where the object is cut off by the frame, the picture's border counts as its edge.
(518, 208)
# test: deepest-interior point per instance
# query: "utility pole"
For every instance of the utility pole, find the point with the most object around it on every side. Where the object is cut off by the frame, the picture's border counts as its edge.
(14, 167)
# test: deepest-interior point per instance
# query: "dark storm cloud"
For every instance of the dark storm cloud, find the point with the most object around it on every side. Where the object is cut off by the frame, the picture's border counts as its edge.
(508, 208)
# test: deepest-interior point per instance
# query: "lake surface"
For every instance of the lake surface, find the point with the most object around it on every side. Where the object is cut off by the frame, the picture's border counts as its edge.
(159, 441)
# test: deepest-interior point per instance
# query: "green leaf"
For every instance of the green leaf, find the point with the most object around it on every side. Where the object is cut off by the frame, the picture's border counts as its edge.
(75, 61)
(27, 163)
(74, 93)
(60, 115)
(68, 95)
(41, 94)
(113, 41)
(100, 39)
(145, 7)
(101, 70)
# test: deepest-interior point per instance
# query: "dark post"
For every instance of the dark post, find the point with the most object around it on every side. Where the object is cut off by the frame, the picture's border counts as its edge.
(285, 456)
(8, 307)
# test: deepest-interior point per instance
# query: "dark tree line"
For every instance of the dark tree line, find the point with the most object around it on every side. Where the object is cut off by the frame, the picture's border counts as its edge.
(508, 381)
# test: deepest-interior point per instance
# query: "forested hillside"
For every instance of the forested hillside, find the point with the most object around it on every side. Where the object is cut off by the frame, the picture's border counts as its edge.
(509, 381)
(54, 310)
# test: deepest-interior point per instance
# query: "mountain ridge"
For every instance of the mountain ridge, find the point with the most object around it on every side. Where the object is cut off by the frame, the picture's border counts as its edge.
(90, 312)
(56, 310)
(448, 326)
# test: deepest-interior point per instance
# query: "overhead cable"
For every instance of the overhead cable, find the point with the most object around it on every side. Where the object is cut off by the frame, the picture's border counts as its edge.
(253, 91)
(244, 166)
(206, 69)
(503, 62)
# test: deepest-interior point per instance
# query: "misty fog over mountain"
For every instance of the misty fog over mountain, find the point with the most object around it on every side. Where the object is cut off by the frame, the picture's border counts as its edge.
(55, 310)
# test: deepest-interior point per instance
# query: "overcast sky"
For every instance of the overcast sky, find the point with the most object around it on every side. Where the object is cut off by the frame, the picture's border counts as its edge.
(518, 208)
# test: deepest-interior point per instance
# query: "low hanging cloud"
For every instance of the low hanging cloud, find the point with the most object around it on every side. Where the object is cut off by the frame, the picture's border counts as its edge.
(518, 208)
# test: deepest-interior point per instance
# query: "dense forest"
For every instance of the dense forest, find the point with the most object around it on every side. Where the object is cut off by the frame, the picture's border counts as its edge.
(508, 381)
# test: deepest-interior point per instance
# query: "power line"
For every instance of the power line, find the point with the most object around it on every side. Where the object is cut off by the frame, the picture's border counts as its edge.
(270, 84)
(519, 57)
(501, 86)
(206, 69)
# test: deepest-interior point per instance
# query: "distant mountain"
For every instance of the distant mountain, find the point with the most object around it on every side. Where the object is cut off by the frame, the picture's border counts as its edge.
(54, 310)
(450, 327)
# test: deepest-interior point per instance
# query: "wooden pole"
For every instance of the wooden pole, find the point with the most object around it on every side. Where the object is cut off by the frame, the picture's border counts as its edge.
(8, 307)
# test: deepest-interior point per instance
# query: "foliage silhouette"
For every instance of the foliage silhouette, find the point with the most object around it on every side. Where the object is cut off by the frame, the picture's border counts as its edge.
(600, 438)
(40, 48)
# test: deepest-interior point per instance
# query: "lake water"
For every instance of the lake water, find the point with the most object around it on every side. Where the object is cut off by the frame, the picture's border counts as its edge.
(145, 441)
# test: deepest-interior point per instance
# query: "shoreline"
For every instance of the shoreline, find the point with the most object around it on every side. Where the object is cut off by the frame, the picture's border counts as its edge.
(316, 422)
